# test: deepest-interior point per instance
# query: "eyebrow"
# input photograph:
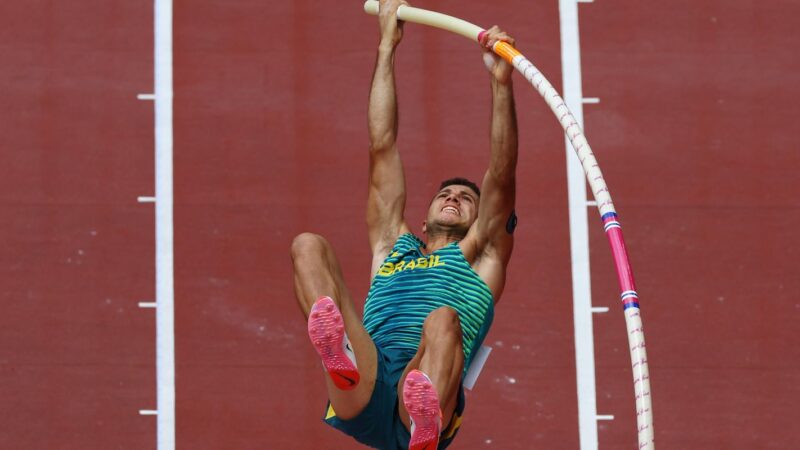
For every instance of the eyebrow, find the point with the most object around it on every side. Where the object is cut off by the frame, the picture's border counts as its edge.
(462, 193)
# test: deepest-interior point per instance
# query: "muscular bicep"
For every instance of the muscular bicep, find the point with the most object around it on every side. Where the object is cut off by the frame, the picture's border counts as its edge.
(494, 227)
(386, 199)
(489, 243)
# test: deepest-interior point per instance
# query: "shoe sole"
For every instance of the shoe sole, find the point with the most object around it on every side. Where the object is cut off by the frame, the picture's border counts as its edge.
(326, 330)
(422, 404)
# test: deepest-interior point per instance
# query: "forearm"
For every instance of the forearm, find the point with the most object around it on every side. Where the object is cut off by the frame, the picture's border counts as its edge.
(496, 211)
(382, 112)
(504, 139)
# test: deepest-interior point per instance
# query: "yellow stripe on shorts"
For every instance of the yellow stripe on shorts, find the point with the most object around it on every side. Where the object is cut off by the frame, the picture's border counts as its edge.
(454, 424)
(331, 412)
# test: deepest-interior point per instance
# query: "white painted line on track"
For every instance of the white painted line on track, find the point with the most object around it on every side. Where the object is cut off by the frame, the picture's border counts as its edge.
(579, 232)
(590, 101)
(600, 309)
(148, 305)
(585, 1)
(607, 417)
(146, 96)
(165, 290)
(591, 203)
(148, 412)
(146, 199)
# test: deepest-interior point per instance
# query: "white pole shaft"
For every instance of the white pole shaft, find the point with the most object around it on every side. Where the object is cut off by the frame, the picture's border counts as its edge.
(430, 18)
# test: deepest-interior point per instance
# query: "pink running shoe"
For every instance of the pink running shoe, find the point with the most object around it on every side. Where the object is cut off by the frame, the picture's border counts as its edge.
(326, 330)
(422, 404)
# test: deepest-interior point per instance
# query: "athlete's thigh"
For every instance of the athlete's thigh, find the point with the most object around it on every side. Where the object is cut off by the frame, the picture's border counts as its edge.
(363, 346)
(349, 403)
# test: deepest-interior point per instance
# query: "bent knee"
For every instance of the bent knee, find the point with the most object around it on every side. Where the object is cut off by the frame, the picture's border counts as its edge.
(308, 243)
(442, 322)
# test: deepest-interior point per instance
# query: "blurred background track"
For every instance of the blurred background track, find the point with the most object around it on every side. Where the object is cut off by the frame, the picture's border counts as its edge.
(694, 133)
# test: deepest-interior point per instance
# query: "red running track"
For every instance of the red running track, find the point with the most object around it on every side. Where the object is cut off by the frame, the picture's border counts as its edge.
(693, 133)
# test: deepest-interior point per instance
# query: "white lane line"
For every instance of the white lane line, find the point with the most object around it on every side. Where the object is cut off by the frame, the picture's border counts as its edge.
(600, 309)
(148, 412)
(165, 292)
(608, 417)
(146, 96)
(591, 203)
(146, 199)
(148, 305)
(579, 232)
(590, 101)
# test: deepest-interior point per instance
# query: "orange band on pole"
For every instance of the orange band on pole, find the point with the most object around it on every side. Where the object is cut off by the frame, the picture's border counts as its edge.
(506, 51)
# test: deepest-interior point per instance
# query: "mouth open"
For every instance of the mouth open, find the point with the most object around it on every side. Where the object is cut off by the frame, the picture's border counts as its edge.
(451, 210)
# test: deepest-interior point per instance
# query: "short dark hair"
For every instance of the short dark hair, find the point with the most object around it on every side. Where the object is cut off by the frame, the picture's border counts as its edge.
(461, 182)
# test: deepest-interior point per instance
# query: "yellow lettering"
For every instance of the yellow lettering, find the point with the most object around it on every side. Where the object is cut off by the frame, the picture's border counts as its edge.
(386, 269)
(389, 268)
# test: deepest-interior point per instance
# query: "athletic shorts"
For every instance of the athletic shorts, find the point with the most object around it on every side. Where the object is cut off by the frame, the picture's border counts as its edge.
(379, 425)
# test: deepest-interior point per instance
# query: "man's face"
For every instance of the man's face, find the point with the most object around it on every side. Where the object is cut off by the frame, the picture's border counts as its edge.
(454, 206)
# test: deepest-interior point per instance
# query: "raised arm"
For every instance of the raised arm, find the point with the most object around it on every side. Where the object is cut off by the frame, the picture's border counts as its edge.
(387, 190)
(491, 237)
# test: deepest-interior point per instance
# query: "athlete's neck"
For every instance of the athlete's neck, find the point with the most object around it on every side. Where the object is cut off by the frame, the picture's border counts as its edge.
(440, 240)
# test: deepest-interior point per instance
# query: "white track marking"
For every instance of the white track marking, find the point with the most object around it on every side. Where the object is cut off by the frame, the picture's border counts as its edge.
(146, 96)
(148, 412)
(590, 101)
(579, 232)
(146, 199)
(165, 292)
(148, 305)
(600, 309)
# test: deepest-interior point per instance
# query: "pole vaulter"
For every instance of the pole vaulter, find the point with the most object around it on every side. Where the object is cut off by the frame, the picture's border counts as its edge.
(608, 214)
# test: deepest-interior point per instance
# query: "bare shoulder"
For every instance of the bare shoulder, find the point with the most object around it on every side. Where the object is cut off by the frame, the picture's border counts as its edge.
(489, 260)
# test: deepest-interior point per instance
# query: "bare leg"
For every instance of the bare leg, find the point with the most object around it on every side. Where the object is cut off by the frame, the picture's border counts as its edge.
(316, 274)
(441, 357)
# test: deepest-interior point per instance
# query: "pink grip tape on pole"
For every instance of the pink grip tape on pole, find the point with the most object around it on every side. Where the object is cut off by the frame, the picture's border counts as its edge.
(605, 206)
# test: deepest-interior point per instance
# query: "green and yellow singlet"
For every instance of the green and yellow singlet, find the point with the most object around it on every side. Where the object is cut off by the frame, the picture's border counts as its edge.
(409, 285)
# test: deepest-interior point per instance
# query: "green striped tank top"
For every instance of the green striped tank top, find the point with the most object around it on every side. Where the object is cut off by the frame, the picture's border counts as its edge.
(409, 285)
